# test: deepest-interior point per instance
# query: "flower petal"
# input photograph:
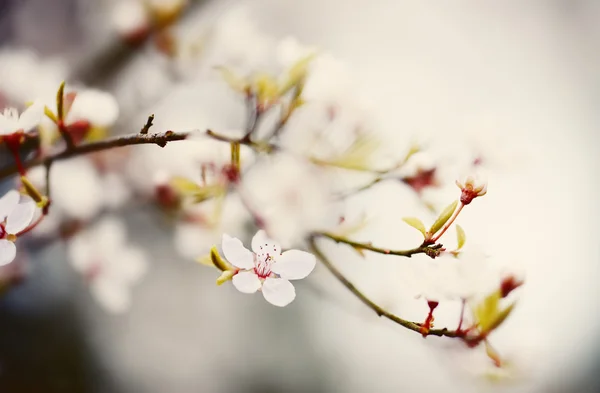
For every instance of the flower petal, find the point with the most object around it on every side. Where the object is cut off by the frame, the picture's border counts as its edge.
(278, 291)
(8, 202)
(260, 238)
(8, 252)
(32, 117)
(236, 253)
(246, 282)
(262, 245)
(294, 264)
(20, 217)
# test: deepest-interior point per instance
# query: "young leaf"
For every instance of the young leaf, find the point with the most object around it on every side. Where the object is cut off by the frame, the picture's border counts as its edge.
(217, 260)
(225, 276)
(461, 237)
(184, 185)
(60, 97)
(487, 311)
(502, 315)
(236, 83)
(415, 223)
(443, 218)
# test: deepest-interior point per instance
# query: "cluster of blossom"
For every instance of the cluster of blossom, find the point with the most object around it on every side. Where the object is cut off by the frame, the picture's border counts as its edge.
(307, 146)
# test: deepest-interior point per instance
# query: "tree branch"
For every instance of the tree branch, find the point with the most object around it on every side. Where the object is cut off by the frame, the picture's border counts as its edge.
(160, 139)
(414, 326)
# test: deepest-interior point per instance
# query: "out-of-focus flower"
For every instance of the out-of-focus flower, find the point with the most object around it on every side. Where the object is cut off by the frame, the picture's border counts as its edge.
(471, 187)
(110, 265)
(131, 20)
(202, 225)
(16, 214)
(135, 19)
(86, 114)
(419, 172)
(97, 107)
(291, 196)
(470, 275)
(24, 75)
(12, 123)
(79, 193)
(266, 268)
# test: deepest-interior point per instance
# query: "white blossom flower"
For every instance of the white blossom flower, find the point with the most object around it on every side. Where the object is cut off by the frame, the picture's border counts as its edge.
(11, 122)
(266, 268)
(110, 265)
(16, 214)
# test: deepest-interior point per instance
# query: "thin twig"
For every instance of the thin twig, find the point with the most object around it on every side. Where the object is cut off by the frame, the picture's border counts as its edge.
(416, 327)
(422, 249)
(148, 125)
(160, 139)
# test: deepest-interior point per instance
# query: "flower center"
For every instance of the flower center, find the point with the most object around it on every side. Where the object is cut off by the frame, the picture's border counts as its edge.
(262, 265)
(2, 231)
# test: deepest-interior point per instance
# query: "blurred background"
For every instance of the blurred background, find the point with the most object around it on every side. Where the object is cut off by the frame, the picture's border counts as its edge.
(516, 81)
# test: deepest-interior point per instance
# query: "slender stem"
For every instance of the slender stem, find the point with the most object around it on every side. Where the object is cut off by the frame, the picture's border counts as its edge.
(422, 249)
(253, 118)
(449, 222)
(361, 188)
(462, 315)
(242, 141)
(416, 327)
(160, 139)
(32, 225)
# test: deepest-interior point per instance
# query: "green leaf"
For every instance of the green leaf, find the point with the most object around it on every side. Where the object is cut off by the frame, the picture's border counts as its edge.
(443, 218)
(461, 237)
(415, 223)
(486, 312)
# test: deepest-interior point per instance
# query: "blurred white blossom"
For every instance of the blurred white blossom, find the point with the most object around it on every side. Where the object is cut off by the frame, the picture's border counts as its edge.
(98, 107)
(291, 197)
(25, 76)
(108, 262)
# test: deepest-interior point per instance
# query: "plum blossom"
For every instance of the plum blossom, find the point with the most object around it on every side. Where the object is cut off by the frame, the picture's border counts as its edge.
(15, 215)
(108, 262)
(13, 123)
(266, 268)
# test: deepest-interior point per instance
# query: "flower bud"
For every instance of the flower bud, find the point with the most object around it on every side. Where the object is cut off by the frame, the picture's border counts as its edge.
(471, 187)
